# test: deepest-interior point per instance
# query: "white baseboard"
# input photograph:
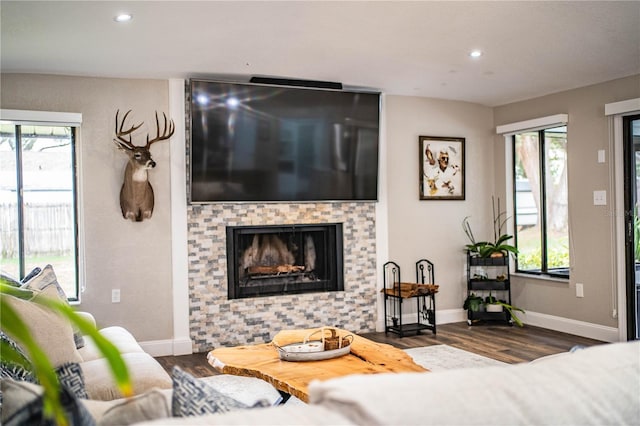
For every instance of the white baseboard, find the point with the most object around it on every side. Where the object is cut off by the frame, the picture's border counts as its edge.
(444, 316)
(551, 322)
(182, 346)
(448, 316)
(167, 347)
(566, 325)
(571, 326)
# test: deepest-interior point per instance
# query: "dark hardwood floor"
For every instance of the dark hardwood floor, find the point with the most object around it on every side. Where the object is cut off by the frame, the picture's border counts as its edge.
(503, 343)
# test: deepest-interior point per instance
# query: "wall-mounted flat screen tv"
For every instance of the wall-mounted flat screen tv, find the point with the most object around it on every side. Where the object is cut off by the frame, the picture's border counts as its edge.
(267, 143)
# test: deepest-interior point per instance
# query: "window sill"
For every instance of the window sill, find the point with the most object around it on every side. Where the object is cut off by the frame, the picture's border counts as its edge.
(541, 277)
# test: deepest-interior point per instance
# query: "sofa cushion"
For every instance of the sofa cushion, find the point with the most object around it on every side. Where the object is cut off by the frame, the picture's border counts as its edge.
(146, 373)
(148, 406)
(597, 385)
(46, 278)
(22, 405)
(51, 331)
(298, 415)
(193, 397)
(120, 337)
(69, 374)
(247, 390)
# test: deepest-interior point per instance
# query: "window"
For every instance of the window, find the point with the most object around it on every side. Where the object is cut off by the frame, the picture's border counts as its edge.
(541, 201)
(38, 201)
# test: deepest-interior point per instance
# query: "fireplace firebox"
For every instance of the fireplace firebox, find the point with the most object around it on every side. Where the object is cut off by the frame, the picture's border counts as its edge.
(284, 259)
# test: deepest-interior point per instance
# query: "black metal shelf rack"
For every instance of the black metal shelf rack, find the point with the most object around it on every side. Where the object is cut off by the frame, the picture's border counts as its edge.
(497, 282)
(394, 300)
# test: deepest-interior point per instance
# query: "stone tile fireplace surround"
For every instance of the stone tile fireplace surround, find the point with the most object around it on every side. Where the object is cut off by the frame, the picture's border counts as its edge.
(217, 321)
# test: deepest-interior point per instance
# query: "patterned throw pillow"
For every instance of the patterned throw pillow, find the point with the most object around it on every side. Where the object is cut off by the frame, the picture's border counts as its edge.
(20, 368)
(192, 397)
(70, 376)
(35, 271)
(47, 278)
(22, 405)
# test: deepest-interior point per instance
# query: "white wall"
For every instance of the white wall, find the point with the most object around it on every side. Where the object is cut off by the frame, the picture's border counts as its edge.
(592, 231)
(132, 257)
(137, 258)
(433, 229)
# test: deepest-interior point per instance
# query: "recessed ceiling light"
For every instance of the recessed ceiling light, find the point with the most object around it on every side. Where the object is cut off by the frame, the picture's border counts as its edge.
(475, 53)
(123, 17)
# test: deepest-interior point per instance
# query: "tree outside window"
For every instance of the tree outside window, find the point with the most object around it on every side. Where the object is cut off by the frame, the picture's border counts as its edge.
(37, 202)
(541, 201)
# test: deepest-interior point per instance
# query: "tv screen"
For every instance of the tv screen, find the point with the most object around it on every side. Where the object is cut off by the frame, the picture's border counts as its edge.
(252, 142)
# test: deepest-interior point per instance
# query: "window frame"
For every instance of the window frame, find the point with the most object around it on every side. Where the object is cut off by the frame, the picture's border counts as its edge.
(19, 118)
(542, 170)
(508, 131)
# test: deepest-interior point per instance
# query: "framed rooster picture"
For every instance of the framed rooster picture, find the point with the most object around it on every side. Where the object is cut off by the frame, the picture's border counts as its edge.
(441, 168)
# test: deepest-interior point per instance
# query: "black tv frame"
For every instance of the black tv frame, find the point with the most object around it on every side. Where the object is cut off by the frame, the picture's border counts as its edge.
(287, 83)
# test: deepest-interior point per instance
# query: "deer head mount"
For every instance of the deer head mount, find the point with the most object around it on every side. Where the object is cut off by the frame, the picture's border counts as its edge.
(136, 194)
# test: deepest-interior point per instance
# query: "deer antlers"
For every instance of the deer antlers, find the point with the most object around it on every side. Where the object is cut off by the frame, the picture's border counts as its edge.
(167, 130)
(136, 194)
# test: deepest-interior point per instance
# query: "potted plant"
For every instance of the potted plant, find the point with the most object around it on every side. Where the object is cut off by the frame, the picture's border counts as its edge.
(492, 304)
(473, 303)
(499, 246)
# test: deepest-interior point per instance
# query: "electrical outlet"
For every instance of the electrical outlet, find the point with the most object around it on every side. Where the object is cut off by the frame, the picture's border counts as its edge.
(115, 295)
(579, 290)
(599, 198)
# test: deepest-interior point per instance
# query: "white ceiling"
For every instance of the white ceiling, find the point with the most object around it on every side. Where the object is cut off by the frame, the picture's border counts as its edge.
(406, 48)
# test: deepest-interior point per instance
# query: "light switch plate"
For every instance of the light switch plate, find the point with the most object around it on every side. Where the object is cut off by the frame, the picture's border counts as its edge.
(601, 156)
(599, 198)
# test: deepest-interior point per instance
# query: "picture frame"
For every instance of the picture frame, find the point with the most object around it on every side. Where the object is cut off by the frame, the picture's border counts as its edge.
(442, 168)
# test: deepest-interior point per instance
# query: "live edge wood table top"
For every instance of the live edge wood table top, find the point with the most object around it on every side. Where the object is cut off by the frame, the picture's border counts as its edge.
(263, 361)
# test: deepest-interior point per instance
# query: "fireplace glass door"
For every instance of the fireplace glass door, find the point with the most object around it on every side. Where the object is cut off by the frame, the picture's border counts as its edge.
(287, 259)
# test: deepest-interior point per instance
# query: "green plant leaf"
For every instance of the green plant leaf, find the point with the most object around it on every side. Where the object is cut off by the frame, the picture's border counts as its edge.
(19, 292)
(510, 309)
(42, 368)
(110, 352)
(9, 355)
(503, 238)
(13, 325)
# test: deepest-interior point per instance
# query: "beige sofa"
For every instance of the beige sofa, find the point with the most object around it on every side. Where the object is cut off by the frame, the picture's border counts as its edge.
(594, 386)
(62, 344)
(146, 373)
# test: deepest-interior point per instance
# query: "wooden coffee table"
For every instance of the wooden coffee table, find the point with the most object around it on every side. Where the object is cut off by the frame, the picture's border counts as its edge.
(263, 361)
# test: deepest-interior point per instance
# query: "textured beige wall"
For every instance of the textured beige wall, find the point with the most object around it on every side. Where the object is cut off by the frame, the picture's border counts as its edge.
(134, 257)
(591, 227)
(433, 229)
